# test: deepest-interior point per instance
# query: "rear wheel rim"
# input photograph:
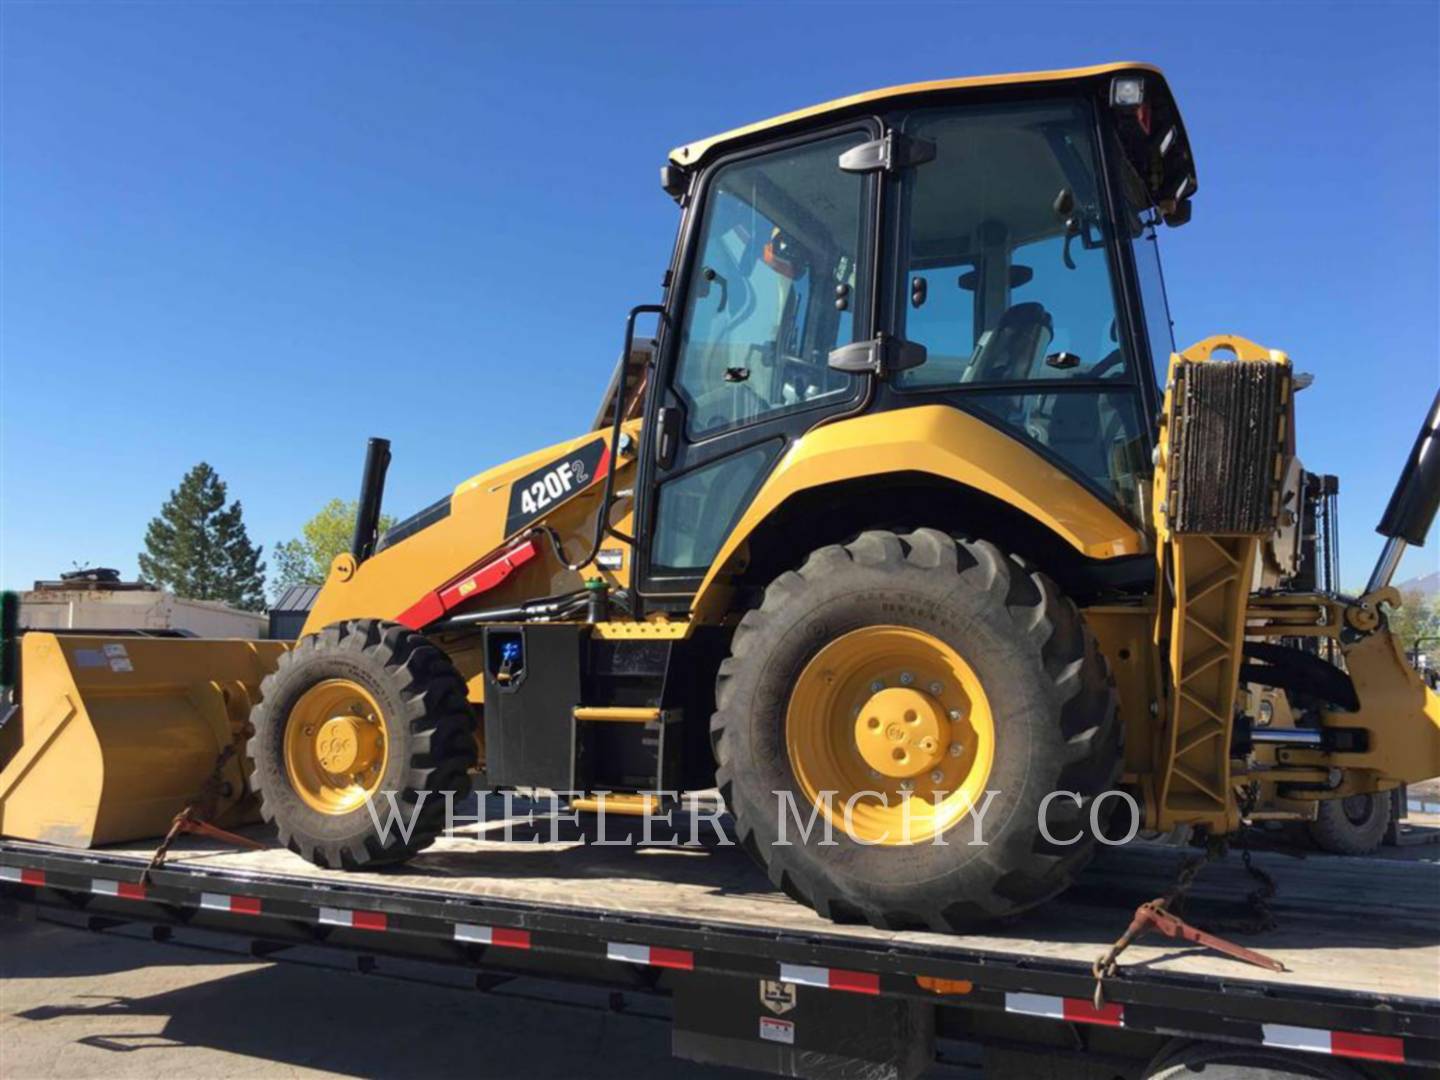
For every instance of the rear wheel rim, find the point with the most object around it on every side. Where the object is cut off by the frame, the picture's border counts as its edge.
(336, 748)
(895, 725)
(1358, 809)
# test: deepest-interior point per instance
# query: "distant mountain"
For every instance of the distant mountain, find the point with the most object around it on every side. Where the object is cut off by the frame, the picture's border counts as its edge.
(1426, 584)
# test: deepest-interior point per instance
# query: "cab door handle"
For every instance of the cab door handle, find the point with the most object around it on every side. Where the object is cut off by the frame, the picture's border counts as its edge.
(667, 440)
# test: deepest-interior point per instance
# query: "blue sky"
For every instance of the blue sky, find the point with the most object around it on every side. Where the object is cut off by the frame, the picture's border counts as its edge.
(257, 234)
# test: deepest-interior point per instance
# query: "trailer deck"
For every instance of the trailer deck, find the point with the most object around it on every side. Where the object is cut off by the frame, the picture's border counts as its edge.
(1360, 937)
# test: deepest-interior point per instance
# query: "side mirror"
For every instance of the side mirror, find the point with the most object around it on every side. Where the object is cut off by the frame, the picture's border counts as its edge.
(674, 180)
(1179, 214)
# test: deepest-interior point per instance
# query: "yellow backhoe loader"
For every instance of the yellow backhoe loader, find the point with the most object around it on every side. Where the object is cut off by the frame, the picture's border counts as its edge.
(908, 520)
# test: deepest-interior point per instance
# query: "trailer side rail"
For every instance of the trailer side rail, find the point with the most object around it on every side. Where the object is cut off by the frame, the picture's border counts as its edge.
(480, 932)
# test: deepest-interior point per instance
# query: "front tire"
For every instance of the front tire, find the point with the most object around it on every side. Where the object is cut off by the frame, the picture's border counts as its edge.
(916, 666)
(1354, 825)
(363, 710)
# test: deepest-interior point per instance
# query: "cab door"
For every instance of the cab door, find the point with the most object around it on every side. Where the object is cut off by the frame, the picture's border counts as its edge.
(777, 273)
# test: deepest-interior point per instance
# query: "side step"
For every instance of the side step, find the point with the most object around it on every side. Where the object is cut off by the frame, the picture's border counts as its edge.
(633, 805)
(631, 752)
(618, 714)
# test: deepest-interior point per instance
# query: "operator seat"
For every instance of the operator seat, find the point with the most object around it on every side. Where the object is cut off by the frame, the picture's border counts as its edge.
(1011, 350)
(1009, 353)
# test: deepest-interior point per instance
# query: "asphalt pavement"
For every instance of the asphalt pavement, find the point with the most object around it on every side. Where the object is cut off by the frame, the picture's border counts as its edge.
(78, 1005)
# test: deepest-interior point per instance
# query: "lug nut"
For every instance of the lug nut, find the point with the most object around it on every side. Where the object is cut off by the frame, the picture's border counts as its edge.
(936, 689)
(876, 686)
(907, 786)
(936, 776)
(906, 678)
(956, 715)
(956, 749)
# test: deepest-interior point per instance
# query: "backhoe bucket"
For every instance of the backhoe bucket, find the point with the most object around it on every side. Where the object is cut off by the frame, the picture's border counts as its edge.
(113, 735)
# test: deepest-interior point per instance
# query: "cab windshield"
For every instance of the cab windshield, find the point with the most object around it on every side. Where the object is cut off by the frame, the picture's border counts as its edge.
(1009, 285)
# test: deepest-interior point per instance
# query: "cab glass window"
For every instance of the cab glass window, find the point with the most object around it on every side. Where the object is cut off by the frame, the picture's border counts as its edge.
(942, 317)
(1008, 260)
(1012, 193)
(1151, 282)
(774, 287)
(1142, 222)
(697, 510)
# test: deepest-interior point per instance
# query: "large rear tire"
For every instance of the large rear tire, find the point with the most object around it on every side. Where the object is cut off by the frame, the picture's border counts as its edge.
(361, 712)
(916, 667)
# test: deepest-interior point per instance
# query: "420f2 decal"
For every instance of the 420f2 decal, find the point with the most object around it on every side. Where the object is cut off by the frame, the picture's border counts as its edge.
(537, 493)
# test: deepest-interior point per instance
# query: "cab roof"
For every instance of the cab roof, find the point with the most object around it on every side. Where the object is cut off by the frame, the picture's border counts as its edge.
(691, 153)
(1151, 133)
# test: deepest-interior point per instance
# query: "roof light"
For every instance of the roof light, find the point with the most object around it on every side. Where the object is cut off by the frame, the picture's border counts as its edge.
(1127, 92)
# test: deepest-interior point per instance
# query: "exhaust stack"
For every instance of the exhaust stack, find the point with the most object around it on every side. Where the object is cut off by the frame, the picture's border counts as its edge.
(372, 491)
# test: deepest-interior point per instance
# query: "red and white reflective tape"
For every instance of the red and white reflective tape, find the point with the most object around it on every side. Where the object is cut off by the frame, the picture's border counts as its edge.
(492, 935)
(653, 955)
(1340, 1043)
(855, 982)
(22, 875)
(1075, 1010)
(126, 890)
(236, 905)
(355, 920)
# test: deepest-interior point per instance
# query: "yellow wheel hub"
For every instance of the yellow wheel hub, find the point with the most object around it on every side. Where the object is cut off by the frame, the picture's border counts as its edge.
(335, 746)
(899, 732)
(890, 735)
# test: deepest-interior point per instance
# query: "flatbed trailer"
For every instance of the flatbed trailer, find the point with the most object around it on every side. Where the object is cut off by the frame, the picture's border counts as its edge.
(761, 982)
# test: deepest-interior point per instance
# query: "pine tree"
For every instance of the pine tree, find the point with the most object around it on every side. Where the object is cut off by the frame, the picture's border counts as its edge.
(198, 548)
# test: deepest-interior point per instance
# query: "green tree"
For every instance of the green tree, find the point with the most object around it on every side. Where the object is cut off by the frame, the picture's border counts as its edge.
(306, 559)
(198, 548)
(1417, 620)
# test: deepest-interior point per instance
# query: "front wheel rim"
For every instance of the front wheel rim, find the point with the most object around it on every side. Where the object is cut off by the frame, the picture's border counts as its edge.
(336, 747)
(890, 735)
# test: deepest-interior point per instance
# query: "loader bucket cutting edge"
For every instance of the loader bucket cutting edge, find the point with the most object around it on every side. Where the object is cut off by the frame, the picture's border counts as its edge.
(114, 735)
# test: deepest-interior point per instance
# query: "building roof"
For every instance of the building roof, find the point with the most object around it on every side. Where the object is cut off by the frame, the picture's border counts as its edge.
(690, 153)
(297, 598)
(92, 579)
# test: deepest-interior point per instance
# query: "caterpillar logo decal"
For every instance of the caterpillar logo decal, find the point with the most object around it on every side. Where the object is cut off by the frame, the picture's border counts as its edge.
(535, 494)
(777, 996)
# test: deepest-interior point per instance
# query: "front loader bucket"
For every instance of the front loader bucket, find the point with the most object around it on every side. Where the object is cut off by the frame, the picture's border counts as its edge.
(113, 735)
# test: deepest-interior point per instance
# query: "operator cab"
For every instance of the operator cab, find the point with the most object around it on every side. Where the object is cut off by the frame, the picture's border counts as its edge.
(983, 243)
